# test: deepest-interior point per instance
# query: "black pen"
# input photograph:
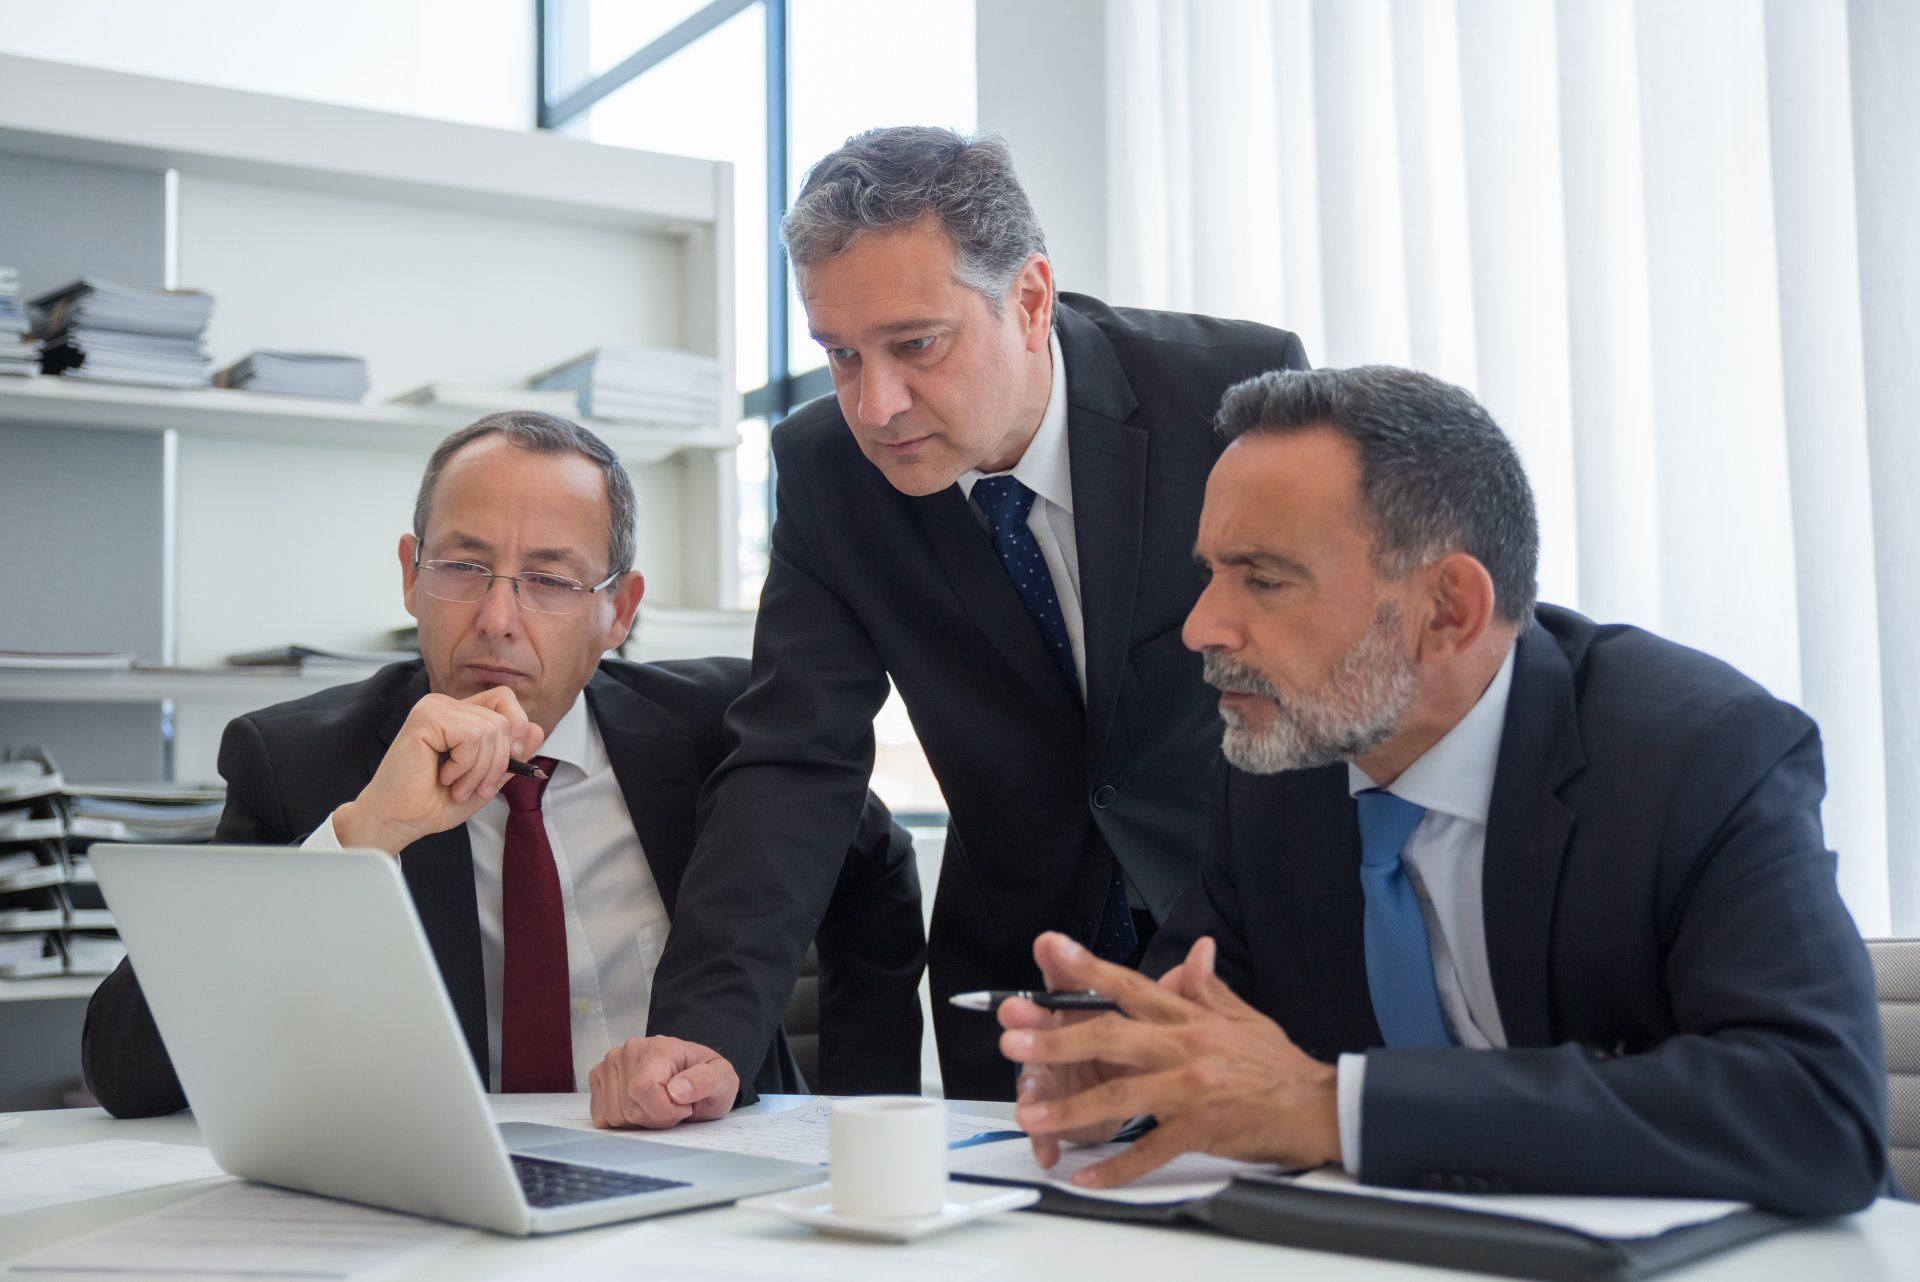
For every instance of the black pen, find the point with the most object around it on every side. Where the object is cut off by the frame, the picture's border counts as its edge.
(514, 767)
(990, 1000)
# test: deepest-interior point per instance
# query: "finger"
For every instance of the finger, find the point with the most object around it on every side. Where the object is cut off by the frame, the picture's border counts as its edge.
(536, 739)
(1018, 1012)
(596, 1093)
(1153, 1150)
(646, 1101)
(1032, 1087)
(1107, 1038)
(1137, 995)
(693, 1085)
(1115, 1100)
(708, 1089)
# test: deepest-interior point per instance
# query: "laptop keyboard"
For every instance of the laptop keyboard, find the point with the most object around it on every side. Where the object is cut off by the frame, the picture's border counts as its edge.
(548, 1183)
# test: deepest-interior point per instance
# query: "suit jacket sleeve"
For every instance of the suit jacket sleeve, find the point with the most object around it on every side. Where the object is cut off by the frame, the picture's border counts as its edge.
(780, 812)
(873, 948)
(125, 1064)
(1771, 1092)
(1210, 905)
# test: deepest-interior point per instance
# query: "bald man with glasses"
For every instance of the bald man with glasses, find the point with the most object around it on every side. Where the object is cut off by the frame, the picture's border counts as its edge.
(546, 900)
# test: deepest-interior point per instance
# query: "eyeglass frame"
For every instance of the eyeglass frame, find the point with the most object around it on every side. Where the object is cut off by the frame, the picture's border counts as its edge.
(518, 601)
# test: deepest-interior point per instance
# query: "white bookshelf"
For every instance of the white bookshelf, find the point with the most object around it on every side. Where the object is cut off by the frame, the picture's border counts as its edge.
(49, 988)
(253, 687)
(221, 412)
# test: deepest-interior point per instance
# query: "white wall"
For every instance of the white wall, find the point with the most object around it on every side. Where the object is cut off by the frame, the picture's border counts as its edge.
(465, 60)
(1043, 86)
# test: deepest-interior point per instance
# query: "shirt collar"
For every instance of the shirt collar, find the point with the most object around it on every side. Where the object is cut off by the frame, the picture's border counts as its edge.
(1043, 468)
(575, 740)
(1455, 775)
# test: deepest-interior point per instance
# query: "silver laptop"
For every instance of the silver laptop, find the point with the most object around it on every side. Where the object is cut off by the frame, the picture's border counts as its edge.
(319, 1051)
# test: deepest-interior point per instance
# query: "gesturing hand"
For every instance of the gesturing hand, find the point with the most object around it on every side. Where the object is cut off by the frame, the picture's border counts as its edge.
(1221, 1077)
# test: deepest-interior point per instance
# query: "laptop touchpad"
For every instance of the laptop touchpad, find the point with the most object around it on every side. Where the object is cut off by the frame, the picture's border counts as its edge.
(609, 1151)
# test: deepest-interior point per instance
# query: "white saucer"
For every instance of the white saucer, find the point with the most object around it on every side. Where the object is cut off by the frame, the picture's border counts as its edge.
(814, 1207)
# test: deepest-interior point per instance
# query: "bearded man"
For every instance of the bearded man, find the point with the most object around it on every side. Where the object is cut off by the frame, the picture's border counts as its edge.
(1498, 898)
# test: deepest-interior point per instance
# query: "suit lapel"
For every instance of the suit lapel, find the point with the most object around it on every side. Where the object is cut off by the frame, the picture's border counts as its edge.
(1320, 856)
(658, 775)
(1108, 462)
(439, 875)
(973, 568)
(1527, 831)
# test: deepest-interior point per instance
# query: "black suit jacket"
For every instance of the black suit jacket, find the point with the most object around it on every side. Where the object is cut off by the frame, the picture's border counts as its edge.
(1688, 1007)
(867, 583)
(287, 767)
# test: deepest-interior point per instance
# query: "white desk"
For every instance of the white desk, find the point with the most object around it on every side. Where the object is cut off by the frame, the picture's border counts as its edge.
(1879, 1245)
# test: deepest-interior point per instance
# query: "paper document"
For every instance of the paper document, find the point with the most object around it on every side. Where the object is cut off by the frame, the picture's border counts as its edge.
(39, 1177)
(796, 1134)
(1189, 1176)
(1614, 1217)
(248, 1231)
(686, 1257)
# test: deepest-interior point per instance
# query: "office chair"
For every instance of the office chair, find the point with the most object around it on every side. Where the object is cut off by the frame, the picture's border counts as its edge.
(1896, 975)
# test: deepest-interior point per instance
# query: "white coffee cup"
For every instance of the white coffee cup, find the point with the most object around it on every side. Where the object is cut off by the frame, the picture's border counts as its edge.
(888, 1155)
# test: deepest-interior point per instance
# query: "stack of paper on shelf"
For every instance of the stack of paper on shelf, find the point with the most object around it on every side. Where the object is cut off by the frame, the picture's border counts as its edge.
(93, 952)
(28, 775)
(65, 660)
(156, 815)
(93, 329)
(312, 658)
(334, 378)
(29, 956)
(648, 384)
(479, 401)
(19, 350)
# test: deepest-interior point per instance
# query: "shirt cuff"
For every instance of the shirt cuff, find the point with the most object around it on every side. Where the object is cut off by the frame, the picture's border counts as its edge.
(324, 838)
(1352, 1084)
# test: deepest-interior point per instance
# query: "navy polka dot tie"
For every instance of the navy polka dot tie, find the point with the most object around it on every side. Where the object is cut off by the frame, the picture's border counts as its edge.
(1007, 504)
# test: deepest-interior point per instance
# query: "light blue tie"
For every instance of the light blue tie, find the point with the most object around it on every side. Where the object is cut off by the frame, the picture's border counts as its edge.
(1406, 1002)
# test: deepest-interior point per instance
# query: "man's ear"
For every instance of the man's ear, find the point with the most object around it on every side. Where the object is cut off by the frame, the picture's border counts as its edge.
(1460, 605)
(1032, 294)
(409, 573)
(626, 602)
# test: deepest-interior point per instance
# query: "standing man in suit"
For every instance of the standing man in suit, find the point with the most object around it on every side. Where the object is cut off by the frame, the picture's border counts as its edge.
(546, 901)
(1498, 899)
(993, 513)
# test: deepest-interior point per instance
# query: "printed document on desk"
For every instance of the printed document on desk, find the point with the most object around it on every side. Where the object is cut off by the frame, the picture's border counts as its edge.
(1606, 1217)
(796, 1134)
(248, 1231)
(41, 1177)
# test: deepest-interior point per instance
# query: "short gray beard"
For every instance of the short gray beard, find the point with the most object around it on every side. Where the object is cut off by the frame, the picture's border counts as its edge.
(1357, 709)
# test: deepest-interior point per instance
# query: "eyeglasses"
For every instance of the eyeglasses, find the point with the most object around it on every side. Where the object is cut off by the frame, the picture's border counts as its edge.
(543, 593)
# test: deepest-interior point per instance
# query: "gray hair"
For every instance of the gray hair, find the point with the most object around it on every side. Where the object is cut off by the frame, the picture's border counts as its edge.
(539, 433)
(891, 178)
(1437, 475)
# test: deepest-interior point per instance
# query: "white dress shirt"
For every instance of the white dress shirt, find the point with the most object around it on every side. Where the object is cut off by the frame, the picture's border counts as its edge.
(1443, 856)
(1044, 469)
(616, 919)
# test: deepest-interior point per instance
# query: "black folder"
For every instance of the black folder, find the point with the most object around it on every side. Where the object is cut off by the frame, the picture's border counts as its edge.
(1274, 1209)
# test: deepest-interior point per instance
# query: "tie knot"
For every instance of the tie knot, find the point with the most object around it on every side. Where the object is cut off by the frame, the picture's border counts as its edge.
(1004, 500)
(524, 794)
(1386, 821)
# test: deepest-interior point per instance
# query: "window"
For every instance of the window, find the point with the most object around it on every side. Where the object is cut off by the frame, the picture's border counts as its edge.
(770, 85)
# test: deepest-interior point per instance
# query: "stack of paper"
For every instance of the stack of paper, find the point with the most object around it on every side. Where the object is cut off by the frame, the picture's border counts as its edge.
(651, 384)
(92, 329)
(19, 352)
(91, 953)
(334, 378)
(28, 956)
(313, 658)
(155, 817)
(22, 778)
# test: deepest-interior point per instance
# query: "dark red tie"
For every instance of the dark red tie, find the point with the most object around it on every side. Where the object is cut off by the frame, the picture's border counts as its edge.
(536, 1029)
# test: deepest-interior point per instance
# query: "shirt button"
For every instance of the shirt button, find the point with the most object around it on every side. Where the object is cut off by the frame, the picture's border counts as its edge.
(580, 1006)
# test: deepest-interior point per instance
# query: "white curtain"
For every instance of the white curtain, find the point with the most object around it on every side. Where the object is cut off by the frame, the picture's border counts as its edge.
(1668, 243)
